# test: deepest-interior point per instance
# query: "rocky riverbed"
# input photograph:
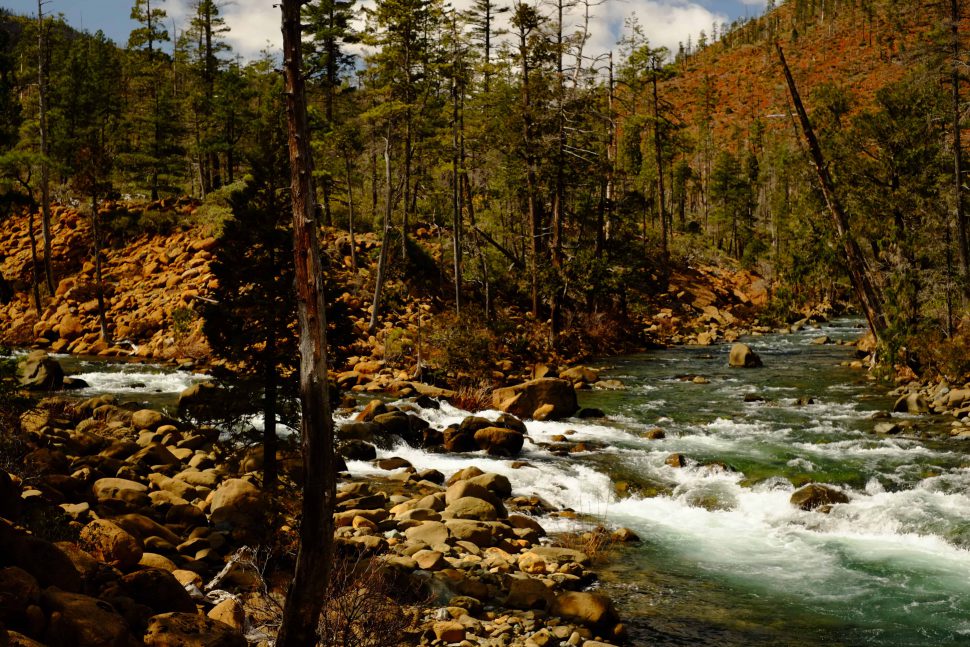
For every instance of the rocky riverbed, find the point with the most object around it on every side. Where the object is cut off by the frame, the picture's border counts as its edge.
(124, 525)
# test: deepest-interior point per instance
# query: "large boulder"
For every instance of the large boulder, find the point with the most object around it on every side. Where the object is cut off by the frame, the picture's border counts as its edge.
(742, 356)
(158, 590)
(111, 543)
(190, 630)
(523, 400)
(499, 442)
(120, 494)
(240, 505)
(77, 619)
(815, 495)
(38, 371)
(913, 403)
(591, 609)
(205, 401)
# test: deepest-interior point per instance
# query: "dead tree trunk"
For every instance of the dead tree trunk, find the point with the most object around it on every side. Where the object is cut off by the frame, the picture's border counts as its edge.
(385, 240)
(45, 182)
(305, 598)
(958, 149)
(859, 272)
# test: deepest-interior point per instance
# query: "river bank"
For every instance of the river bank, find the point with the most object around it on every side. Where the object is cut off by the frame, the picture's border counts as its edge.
(719, 535)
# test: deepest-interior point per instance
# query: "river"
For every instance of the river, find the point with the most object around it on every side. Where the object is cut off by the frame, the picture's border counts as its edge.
(725, 559)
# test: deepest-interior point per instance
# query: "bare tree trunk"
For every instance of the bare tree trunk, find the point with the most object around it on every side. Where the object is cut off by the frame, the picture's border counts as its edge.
(455, 187)
(35, 262)
(305, 598)
(270, 392)
(350, 207)
(964, 252)
(45, 189)
(385, 243)
(96, 232)
(658, 157)
(859, 272)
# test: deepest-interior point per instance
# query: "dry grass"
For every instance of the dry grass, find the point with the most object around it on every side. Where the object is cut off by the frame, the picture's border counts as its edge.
(473, 397)
(598, 543)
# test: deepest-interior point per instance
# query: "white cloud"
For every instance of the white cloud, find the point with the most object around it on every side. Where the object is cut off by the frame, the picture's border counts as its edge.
(255, 24)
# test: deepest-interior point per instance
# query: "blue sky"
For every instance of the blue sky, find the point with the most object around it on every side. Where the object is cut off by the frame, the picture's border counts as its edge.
(254, 24)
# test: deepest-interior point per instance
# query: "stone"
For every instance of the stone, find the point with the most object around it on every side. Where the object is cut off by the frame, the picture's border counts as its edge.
(18, 590)
(158, 590)
(142, 527)
(815, 495)
(528, 593)
(497, 484)
(111, 543)
(238, 504)
(149, 419)
(456, 439)
(497, 441)
(429, 532)
(121, 493)
(913, 403)
(356, 450)
(560, 556)
(582, 374)
(77, 619)
(229, 612)
(522, 400)
(470, 507)
(40, 372)
(190, 630)
(591, 609)
(449, 631)
(887, 428)
(741, 356)
(676, 460)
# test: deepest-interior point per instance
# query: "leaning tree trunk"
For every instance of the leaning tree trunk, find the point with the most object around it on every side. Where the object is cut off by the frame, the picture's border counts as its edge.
(859, 272)
(96, 232)
(305, 598)
(385, 241)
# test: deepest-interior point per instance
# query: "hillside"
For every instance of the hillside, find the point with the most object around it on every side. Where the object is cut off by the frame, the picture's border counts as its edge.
(157, 285)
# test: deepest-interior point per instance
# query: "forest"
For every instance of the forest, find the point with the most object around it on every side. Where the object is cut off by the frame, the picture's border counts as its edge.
(326, 310)
(563, 183)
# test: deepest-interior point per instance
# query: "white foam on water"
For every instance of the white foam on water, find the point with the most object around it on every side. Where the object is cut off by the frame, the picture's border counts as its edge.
(872, 448)
(136, 379)
(564, 484)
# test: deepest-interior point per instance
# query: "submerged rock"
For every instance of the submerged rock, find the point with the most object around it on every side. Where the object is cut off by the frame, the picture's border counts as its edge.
(815, 495)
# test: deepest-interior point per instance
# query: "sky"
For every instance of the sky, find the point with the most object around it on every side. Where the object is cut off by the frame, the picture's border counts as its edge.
(255, 24)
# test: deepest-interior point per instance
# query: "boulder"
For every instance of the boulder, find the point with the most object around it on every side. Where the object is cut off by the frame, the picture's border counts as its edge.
(121, 493)
(591, 609)
(815, 495)
(18, 590)
(469, 507)
(913, 403)
(77, 619)
(499, 442)
(238, 504)
(158, 590)
(457, 439)
(522, 400)
(190, 630)
(582, 374)
(149, 419)
(230, 612)
(38, 371)
(204, 401)
(112, 544)
(528, 593)
(741, 356)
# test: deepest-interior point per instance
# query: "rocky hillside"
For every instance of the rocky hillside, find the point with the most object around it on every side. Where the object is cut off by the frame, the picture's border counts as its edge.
(156, 285)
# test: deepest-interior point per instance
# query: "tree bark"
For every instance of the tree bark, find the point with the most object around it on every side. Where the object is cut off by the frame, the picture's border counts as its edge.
(305, 598)
(385, 243)
(961, 216)
(859, 272)
(45, 189)
(96, 233)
